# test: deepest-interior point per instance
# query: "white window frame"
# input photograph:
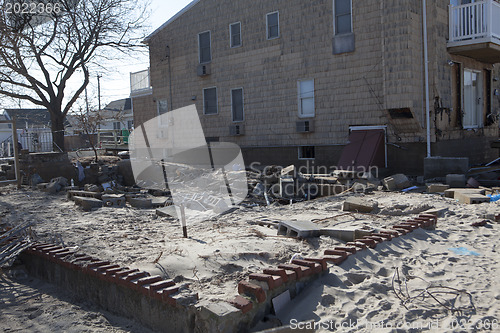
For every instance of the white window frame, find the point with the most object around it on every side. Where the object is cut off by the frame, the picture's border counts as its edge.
(299, 99)
(267, 25)
(231, 36)
(242, 104)
(199, 49)
(334, 22)
(299, 152)
(481, 92)
(160, 101)
(216, 101)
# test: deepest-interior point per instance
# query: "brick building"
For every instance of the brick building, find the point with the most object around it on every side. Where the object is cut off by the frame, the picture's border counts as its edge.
(295, 81)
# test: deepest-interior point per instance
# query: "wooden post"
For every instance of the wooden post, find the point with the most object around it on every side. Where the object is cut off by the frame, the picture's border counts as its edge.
(183, 221)
(16, 153)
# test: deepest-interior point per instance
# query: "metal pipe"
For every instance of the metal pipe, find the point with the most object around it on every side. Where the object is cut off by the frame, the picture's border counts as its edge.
(426, 70)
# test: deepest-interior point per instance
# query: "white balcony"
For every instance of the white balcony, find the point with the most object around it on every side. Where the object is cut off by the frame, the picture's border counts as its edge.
(475, 30)
(140, 83)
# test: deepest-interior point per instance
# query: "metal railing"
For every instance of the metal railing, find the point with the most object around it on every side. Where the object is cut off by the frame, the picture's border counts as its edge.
(115, 139)
(36, 141)
(478, 20)
(140, 82)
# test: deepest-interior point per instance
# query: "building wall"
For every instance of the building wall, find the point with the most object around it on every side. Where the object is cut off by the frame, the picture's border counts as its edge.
(356, 88)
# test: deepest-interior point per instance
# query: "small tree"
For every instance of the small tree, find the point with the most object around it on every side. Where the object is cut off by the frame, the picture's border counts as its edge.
(40, 54)
(89, 123)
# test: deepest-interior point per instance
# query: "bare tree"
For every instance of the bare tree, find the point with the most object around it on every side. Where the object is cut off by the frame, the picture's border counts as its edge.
(41, 54)
(89, 122)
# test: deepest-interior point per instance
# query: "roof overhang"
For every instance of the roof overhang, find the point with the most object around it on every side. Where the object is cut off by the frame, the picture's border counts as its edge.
(172, 19)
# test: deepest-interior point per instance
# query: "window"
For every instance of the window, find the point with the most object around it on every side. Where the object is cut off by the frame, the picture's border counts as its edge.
(307, 153)
(237, 104)
(273, 25)
(116, 125)
(130, 124)
(235, 34)
(162, 108)
(306, 98)
(204, 47)
(210, 101)
(342, 16)
(473, 99)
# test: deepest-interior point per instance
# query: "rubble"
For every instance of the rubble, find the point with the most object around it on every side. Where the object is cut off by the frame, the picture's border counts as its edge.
(354, 204)
(396, 182)
(437, 188)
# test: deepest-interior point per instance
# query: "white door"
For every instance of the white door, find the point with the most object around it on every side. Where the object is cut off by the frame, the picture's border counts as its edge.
(473, 103)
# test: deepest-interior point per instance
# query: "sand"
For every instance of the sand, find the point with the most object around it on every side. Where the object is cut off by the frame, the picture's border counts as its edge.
(224, 250)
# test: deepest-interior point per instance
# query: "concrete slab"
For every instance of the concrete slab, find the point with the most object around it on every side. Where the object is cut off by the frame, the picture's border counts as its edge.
(437, 188)
(346, 234)
(300, 229)
(359, 205)
(158, 202)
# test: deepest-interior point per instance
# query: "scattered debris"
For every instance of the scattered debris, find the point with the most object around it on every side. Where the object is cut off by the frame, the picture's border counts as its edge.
(354, 204)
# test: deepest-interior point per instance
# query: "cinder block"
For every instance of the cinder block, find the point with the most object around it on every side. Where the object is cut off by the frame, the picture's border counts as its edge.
(359, 205)
(142, 203)
(113, 200)
(451, 193)
(471, 198)
(455, 180)
(437, 188)
(300, 229)
(88, 203)
(396, 182)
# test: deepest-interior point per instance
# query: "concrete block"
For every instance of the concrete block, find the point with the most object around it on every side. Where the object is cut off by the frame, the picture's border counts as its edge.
(437, 166)
(359, 205)
(88, 203)
(437, 212)
(300, 229)
(217, 317)
(72, 194)
(437, 188)
(346, 234)
(396, 182)
(471, 198)
(142, 203)
(91, 188)
(158, 202)
(113, 200)
(450, 193)
(454, 180)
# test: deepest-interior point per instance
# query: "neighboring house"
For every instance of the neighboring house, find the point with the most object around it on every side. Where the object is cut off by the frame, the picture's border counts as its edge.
(117, 115)
(33, 128)
(294, 82)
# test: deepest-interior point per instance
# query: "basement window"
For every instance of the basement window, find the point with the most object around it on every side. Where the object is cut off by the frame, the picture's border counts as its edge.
(402, 113)
(307, 153)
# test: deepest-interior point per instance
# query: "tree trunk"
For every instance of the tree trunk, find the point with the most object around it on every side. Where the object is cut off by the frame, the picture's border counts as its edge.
(57, 131)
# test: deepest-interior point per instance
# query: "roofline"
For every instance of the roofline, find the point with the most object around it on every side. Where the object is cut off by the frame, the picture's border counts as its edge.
(173, 18)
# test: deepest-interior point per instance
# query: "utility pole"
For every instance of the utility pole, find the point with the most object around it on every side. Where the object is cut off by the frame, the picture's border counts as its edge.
(87, 100)
(99, 90)
(99, 98)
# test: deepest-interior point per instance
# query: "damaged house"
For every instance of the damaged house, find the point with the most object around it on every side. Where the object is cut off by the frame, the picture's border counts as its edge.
(294, 82)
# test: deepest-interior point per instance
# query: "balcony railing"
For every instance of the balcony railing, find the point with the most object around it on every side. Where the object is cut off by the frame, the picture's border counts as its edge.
(140, 83)
(477, 22)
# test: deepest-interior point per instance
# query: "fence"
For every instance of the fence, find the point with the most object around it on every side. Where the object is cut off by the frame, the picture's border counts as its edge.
(36, 140)
(475, 20)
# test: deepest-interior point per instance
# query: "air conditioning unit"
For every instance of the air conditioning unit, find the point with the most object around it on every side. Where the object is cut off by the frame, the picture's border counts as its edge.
(203, 70)
(236, 130)
(305, 126)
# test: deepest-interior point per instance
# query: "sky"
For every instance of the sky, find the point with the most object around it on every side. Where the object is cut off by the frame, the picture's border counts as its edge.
(115, 81)
(116, 84)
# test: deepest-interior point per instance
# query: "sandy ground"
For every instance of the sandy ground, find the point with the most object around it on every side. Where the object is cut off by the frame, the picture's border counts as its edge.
(222, 251)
